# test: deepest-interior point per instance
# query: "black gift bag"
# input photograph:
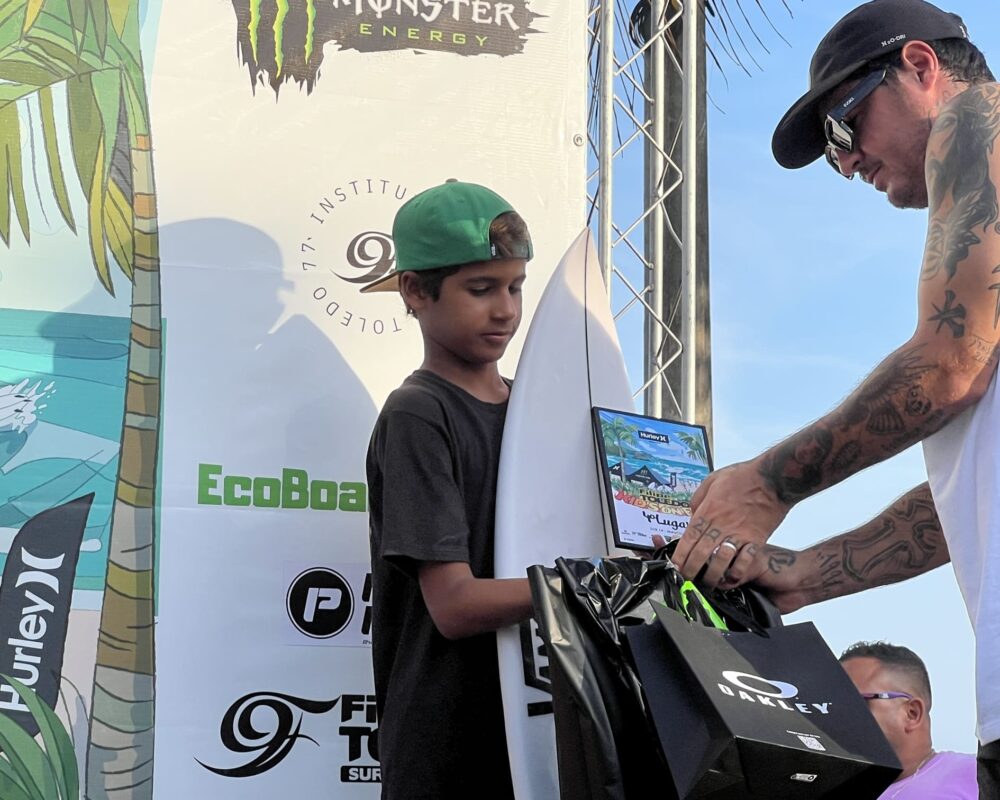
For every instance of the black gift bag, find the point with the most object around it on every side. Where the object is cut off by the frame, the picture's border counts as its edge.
(631, 711)
(740, 715)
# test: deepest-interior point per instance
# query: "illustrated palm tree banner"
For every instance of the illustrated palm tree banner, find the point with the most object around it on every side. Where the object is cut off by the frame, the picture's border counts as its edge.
(89, 52)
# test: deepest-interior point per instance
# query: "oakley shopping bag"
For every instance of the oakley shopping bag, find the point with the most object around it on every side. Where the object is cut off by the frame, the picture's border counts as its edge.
(746, 715)
(607, 747)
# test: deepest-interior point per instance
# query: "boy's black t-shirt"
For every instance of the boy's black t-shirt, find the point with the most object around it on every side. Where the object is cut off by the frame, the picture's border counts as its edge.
(432, 474)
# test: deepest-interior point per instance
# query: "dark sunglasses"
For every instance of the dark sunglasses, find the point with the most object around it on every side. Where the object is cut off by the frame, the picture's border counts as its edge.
(885, 695)
(840, 135)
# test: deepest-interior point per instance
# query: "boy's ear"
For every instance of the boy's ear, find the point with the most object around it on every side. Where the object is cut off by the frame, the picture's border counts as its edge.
(411, 290)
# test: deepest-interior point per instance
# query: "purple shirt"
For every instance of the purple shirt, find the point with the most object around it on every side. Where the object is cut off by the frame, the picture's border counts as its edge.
(947, 776)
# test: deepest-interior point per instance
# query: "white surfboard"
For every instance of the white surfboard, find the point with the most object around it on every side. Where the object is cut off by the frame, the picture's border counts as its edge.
(549, 501)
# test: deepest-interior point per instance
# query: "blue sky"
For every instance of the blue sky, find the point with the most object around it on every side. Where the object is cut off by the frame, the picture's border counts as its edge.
(813, 282)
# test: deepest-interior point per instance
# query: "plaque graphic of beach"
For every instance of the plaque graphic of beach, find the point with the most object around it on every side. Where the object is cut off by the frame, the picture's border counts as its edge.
(652, 467)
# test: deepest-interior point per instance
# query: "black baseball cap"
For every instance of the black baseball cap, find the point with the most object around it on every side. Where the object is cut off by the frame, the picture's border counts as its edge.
(866, 33)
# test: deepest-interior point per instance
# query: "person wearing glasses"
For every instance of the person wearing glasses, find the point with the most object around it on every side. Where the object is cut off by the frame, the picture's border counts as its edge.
(894, 681)
(899, 97)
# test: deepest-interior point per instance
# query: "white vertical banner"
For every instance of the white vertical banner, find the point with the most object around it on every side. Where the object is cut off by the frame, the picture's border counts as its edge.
(285, 134)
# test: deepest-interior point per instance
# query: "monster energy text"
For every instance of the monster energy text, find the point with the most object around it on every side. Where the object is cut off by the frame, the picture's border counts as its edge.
(283, 40)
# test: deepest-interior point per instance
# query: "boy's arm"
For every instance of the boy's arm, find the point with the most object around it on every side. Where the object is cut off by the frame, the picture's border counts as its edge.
(903, 541)
(463, 605)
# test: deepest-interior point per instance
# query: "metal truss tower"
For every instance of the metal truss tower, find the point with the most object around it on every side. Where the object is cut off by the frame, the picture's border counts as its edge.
(648, 191)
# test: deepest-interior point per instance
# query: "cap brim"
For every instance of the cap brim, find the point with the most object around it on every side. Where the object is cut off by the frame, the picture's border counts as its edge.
(389, 283)
(799, 139)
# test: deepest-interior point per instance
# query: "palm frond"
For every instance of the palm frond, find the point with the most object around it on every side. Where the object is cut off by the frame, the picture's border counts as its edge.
(11, 174)
(85, 46)
(90, 48)
(51, 141)
(34, 771)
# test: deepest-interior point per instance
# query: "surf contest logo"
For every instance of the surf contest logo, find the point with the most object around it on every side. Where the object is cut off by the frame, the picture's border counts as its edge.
(283, 40)
(347, 245)
(261, 728)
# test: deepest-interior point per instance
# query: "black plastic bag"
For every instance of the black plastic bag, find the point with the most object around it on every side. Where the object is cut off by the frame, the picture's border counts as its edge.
(607, 747)
(596, 617)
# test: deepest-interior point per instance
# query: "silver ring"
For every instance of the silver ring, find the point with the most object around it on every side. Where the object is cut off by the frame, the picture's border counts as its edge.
(726, 543)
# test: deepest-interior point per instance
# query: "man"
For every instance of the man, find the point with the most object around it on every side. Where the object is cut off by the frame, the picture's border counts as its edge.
(899, 96)
(894, 681)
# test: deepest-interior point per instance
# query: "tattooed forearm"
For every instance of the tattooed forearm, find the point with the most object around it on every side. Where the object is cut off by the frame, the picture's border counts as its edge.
(968, 129)
(905, 540)
(892, 404)
(900, 543)
(778, 558)
(831, 574)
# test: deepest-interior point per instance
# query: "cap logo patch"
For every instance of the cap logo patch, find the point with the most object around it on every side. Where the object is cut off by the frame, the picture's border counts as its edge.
(893, 40)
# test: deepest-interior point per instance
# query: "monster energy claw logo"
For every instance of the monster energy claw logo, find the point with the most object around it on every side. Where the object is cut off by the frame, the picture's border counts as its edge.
(282, 40)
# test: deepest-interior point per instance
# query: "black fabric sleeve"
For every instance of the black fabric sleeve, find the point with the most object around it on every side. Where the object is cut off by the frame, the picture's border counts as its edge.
(423, 513)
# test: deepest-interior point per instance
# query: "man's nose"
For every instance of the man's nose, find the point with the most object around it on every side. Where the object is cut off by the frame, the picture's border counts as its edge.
(849, 162)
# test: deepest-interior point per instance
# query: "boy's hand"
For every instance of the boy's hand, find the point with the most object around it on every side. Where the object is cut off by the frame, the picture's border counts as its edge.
(658, 543)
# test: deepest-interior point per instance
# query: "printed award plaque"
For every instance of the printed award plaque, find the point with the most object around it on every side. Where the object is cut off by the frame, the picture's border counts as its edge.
(650, 468)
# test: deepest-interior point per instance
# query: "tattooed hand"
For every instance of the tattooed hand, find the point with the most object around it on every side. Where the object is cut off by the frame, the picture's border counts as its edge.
(732, 514)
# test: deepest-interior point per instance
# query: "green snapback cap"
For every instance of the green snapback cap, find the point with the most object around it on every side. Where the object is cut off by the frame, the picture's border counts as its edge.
(444, 226)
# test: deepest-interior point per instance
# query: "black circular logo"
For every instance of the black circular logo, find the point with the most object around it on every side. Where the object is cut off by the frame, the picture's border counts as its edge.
(320, 603)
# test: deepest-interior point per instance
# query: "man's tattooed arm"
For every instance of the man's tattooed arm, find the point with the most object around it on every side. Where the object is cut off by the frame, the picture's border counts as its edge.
(903, 541)
(948, 362)
(890, 411)
(961, 191)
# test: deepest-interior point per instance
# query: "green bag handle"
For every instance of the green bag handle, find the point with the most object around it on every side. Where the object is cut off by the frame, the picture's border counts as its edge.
(687, 590)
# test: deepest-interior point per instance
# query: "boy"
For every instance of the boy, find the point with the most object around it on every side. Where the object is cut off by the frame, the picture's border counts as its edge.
(461, 252)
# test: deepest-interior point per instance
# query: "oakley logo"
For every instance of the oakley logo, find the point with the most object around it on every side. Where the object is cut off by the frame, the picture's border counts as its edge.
(772, 694)
(894, 39)
(746, 681)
